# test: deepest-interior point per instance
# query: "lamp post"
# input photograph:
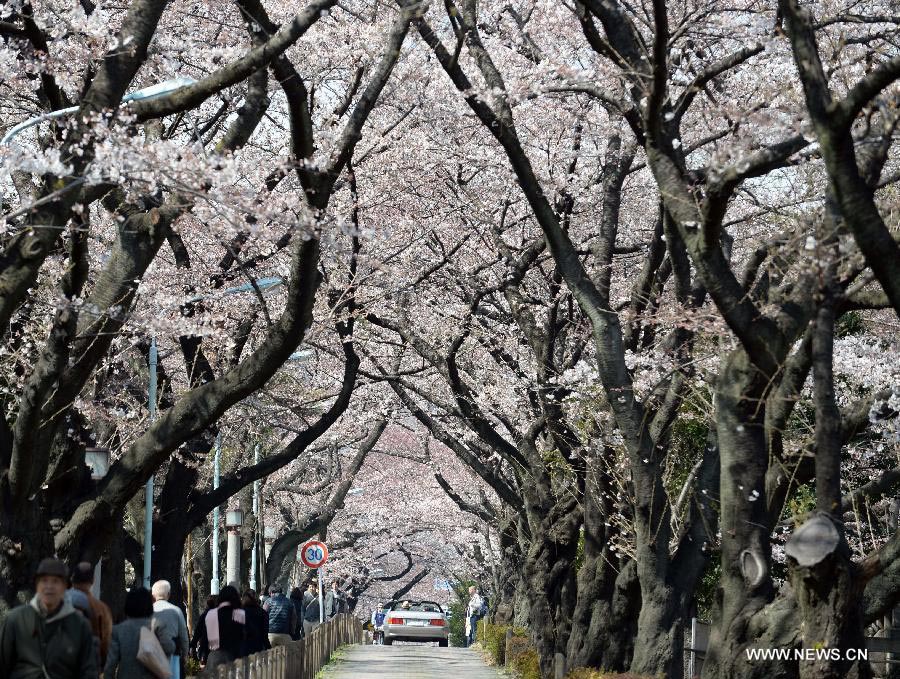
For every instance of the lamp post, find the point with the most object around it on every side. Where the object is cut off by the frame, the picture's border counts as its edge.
(234, 519)
(262, 284)
(269, 540)
(97, 460)
(302, 356)
(148, 491)
(254, 554)
(214, 584)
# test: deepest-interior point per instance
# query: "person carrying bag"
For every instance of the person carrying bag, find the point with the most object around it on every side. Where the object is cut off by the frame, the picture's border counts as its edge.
(139, 648)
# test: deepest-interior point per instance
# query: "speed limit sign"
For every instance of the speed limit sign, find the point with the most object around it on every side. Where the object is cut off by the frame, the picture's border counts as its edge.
(314, 554)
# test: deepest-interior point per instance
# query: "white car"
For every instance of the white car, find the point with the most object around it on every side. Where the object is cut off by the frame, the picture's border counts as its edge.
(415, 621)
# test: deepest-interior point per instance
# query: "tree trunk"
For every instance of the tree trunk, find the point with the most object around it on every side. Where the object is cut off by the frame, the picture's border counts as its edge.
(549, 574)
(604, 621)
(507, 575)
(169, 538)
(746, 584)
(25, 539)
(659, 643)
(112, 574)
(604, 624)
(829, 594)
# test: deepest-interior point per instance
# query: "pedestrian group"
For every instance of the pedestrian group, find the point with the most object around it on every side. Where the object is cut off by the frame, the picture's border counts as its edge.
(65, 632)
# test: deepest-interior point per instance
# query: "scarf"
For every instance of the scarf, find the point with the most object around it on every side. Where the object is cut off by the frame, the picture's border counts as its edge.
(212, 624)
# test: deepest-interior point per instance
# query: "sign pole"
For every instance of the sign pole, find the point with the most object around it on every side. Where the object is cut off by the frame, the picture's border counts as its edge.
(314, 554)
(321, 597)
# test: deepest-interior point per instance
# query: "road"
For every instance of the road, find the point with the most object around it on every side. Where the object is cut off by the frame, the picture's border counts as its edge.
(408, 662)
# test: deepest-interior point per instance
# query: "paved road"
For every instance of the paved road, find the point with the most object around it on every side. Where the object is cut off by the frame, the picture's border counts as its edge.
(408, 662)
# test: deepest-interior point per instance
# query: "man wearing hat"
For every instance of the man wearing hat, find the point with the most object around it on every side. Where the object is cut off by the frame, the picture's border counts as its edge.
(48, 638)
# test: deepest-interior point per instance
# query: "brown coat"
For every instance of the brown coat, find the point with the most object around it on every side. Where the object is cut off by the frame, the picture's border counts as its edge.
(101, 624)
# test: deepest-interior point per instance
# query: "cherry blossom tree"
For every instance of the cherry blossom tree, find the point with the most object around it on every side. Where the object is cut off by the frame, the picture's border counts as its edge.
(118, 172)
(601, 298)
(636, 57)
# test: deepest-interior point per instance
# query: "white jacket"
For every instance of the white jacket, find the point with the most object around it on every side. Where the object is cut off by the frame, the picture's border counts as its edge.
(474, 607)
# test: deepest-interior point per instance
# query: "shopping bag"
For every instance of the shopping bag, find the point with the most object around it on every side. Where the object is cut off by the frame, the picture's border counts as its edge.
(151, 655)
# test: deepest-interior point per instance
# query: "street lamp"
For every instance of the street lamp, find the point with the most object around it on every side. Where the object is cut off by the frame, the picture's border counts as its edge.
(97, 460)
(151, 92)
(262, 284)
(234, 519)
(254, 553)
(148, 490)
(269, 539)
(302, 356)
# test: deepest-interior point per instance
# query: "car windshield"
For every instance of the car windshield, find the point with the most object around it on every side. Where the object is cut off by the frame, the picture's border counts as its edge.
(417, 606)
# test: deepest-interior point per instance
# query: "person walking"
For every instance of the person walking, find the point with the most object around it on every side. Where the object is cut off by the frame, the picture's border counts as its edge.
(474, 612)
(257, 622)
(48, 638)
(296, 598)
(282, 617)
(378, 616)
(223, 630)
(82, 605)
(101, 621)
(122, 662)
(171, 619)
(211, 602)
(311, 615)
(335, 601)
(310, 594)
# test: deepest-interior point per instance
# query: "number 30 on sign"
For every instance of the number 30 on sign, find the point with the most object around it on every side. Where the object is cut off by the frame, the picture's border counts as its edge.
(314, 554)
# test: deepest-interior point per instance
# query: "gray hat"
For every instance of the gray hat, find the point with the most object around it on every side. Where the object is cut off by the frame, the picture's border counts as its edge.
(51, 566)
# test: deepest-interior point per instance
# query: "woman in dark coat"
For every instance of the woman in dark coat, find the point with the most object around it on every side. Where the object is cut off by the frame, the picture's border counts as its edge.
(257, 622)
(296, 598)
(211, 602)
(223, 631)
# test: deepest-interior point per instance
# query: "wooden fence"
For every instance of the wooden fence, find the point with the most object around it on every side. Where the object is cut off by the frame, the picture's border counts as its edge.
(298, 659)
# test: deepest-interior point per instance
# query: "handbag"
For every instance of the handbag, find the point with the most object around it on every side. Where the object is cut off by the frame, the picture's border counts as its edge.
(151, 655)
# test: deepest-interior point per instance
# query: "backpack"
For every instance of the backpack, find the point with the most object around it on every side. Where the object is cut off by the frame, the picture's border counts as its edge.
(483, 609)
